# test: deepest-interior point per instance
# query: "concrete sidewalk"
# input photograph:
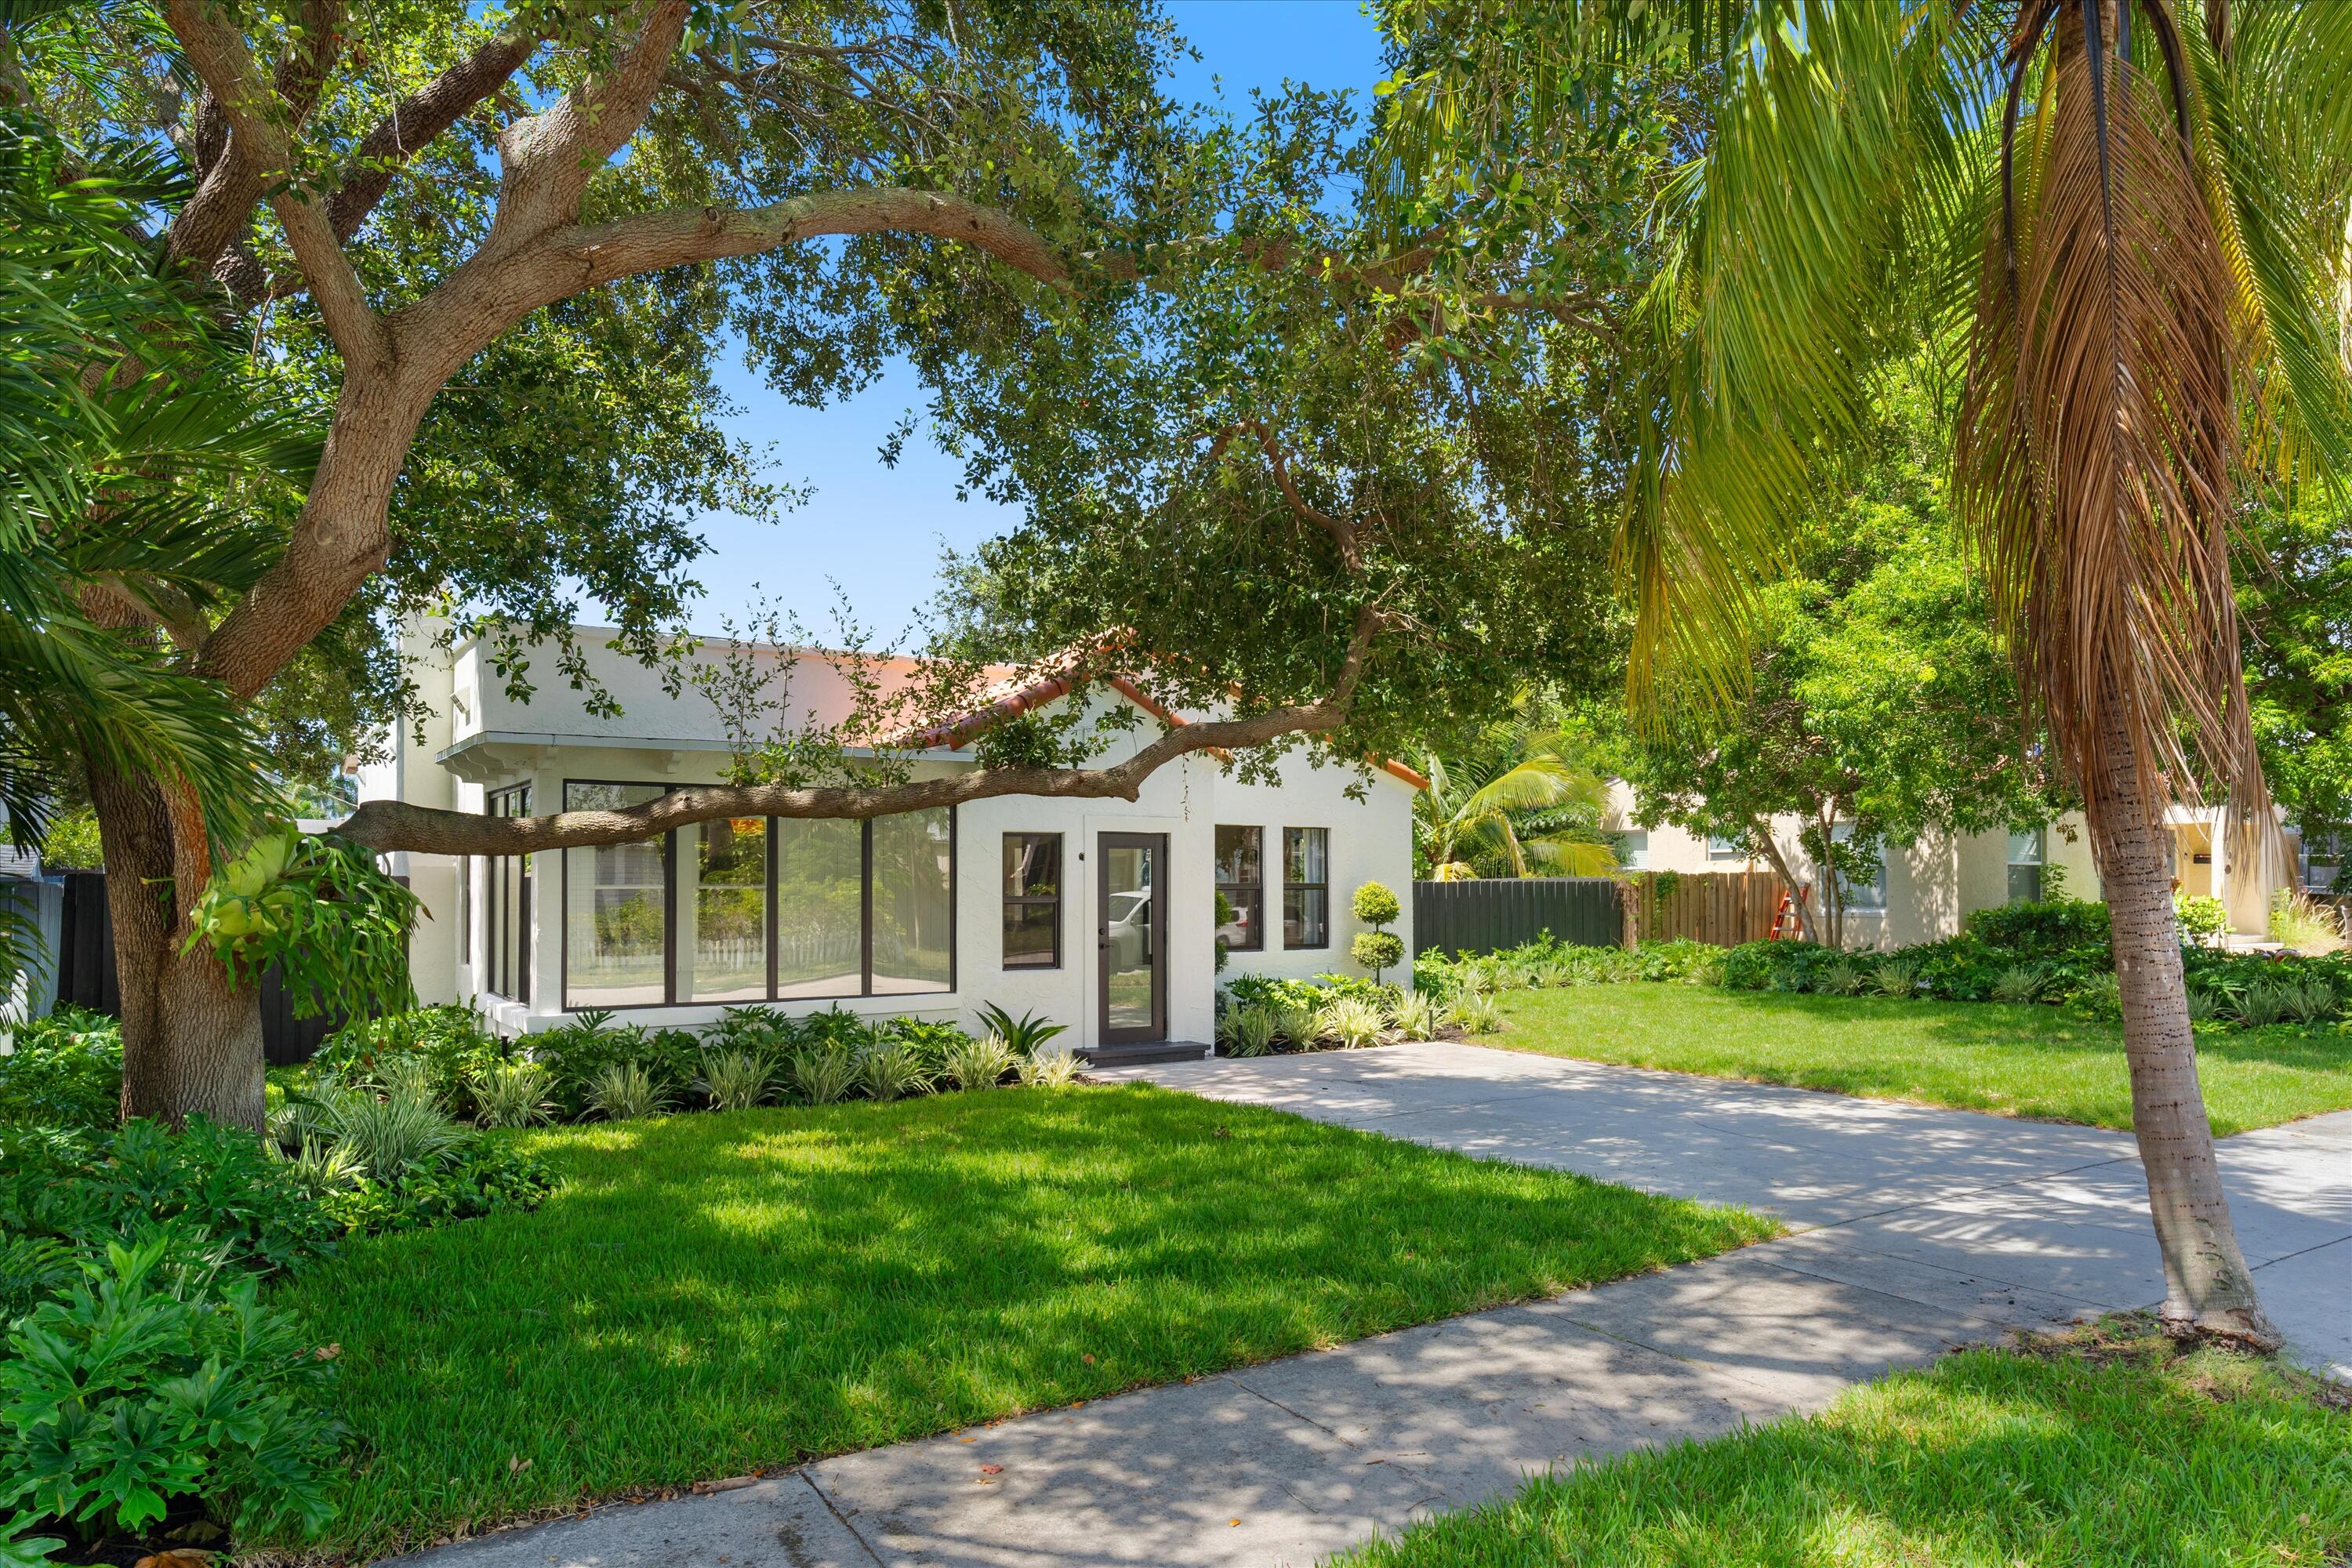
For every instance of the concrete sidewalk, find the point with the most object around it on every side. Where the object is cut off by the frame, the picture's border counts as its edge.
(1922, 1230)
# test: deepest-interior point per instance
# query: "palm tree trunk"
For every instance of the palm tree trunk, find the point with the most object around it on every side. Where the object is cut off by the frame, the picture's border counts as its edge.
(2208, 1292)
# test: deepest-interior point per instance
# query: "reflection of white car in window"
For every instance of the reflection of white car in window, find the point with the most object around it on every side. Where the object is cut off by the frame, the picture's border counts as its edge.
(1130, 930)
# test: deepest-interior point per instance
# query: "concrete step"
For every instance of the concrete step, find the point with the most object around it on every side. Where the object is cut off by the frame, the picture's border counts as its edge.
(1143, 1054)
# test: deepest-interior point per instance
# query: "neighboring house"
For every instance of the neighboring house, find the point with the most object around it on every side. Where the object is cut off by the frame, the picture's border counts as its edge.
(1097, 914)
(1925, 890)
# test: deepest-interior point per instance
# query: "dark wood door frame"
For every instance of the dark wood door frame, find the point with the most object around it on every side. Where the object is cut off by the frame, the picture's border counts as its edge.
(1155, 845)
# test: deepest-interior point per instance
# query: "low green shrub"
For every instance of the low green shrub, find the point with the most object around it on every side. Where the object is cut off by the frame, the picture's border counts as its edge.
(450, 1043)
(2201, 919)
(2047, 928)
(156, 1377)
(64, 1070)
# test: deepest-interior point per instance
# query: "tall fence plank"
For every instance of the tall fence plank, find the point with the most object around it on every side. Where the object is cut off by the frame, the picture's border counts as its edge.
(1726, 907)
(1495, 912)
(86, 975)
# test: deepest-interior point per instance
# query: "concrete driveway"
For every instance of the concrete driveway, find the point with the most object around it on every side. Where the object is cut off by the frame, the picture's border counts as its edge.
(1919, 1230)
(2039, 1205)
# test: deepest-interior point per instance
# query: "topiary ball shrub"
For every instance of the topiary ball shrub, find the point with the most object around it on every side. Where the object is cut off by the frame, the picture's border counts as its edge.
(1376, 905)
(1378, 950)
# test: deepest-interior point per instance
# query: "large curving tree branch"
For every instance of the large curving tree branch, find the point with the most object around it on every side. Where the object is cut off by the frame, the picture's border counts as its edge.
(256, 137)
(385, 825)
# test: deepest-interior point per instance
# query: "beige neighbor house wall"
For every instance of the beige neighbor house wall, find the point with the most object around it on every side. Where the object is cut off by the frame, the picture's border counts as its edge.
(481, 741)
(1932, 884)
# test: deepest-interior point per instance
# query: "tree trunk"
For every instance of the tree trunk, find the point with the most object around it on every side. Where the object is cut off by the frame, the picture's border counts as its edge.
(2208, 1292)
(191, 1035)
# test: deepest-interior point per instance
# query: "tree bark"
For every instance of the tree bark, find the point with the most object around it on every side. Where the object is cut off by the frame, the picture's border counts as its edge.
(191, 1035)
(2208, 1292)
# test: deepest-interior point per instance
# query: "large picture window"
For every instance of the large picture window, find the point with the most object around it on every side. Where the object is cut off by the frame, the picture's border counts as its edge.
(912, 927)
(616, 908)
(1306, 887)
(722, 910)
(749, 909)
(820, 909)
(506, 914)
(1241, 877)
(1033, 901)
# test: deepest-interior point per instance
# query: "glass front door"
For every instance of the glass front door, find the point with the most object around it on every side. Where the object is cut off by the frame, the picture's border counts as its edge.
(1132, 935)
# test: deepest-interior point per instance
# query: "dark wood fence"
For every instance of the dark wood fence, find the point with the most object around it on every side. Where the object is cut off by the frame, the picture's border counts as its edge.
(1483, 915)
(86, 975)
(1726, 907)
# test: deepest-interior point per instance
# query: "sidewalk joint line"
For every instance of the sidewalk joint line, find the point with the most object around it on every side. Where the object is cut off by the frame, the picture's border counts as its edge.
(855, 1533)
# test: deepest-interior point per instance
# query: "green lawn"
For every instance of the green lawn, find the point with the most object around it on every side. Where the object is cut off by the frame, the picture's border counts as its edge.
(1973, 1056)
(2122, 1457)
(715, 1293)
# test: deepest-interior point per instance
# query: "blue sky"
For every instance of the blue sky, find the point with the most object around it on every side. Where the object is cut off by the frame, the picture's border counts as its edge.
(877, 532)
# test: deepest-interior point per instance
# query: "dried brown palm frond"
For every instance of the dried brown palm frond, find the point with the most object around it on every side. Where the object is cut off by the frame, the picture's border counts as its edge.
(2098, 448)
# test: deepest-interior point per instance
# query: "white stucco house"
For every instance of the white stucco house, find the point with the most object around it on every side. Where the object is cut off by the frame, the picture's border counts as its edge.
(1099, 914)
(1925, 890)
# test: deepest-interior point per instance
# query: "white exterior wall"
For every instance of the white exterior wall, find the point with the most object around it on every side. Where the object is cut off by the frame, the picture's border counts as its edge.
(485, 741)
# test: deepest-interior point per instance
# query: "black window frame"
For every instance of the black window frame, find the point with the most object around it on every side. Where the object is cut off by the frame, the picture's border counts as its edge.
(1254, 902)
(1011, 901)
(506, 908)
(670, 917)
(1291, 885)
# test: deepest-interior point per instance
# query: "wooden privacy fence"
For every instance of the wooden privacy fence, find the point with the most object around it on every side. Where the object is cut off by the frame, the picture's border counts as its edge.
(1481, 916)
(1726, 907)
(86, 975)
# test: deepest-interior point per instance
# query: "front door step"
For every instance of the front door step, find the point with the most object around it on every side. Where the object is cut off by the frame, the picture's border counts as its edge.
(1142, 1055)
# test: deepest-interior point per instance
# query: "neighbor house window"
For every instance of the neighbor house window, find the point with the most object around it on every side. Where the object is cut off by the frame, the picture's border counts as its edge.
(616, 908)
(2026, 856)
(1241, 877)
(1033, 901)
(506, 898)
(1870, 895)
(1634, 851)
(1727, 849)
(1306, 887)
(751, 908)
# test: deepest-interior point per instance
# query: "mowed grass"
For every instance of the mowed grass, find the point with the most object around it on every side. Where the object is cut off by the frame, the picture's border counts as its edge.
(2127, 1457)
(2027, 1061)
(710, 1294)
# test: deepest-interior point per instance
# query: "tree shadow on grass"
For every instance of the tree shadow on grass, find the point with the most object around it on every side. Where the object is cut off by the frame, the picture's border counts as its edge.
(714, 1293)
(1991, 1457)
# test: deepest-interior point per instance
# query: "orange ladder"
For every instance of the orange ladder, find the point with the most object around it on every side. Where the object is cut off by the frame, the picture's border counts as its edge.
(1787, 925)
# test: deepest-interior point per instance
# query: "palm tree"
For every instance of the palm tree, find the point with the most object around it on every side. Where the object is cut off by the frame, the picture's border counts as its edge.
(2125, 218)
(121, 491)
(1518, 804)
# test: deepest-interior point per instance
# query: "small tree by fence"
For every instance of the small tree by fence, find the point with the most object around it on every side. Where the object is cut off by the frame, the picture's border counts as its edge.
(1726, 907)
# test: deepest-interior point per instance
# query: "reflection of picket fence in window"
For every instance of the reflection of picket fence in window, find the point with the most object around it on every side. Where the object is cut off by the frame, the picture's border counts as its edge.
(798, 953)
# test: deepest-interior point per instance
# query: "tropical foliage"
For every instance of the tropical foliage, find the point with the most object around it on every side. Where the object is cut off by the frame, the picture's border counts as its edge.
(1518, 800)
(2120, 223)
(124, 492)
